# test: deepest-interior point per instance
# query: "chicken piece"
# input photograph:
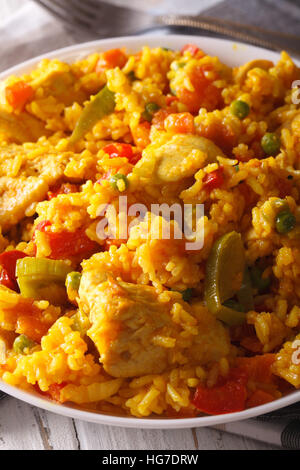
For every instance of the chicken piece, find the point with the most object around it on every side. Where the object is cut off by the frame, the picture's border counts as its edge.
(24, 180)
(21, 128)
(16, 195)
(174, 159)
(57, 80)
(125, 318)
(129, 319)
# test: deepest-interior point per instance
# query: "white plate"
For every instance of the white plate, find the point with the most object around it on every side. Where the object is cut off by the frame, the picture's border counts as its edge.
(232, 54)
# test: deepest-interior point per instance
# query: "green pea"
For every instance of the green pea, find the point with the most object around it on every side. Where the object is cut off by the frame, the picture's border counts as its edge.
(237, 168)
(231, 303)
(119, 182)
(73, 280)
(285, 222)
(21, 343)
(270, 143)
(187, 294)
(240, 109)
(150, 109)
(260, 283)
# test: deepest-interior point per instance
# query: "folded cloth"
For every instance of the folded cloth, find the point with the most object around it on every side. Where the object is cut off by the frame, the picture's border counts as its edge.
(280, 428)
(32, 31)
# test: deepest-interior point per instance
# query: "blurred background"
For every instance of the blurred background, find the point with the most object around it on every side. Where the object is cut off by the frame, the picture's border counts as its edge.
(29, 29)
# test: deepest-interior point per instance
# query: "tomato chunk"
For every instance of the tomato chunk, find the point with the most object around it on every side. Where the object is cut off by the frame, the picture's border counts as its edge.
(182, 123)
(227, 397)
(41, 227)
(213, 180)
(67, 244)
(221, 134)
(258, 368)
(18, 94)
(8, 261)
(205, 94)
(170, 99)
(111, 59)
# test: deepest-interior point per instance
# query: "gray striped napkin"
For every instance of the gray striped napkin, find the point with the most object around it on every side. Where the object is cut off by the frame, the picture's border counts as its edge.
(25, 39)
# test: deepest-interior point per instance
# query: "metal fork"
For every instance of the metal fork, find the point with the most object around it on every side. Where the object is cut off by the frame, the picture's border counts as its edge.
(111, 20)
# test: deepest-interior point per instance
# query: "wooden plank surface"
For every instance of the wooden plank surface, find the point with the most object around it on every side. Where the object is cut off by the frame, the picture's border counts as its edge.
(24, 427)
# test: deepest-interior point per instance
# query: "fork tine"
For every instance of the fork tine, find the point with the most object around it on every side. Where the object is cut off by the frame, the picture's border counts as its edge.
(92, 7)
(100, 17)
(93, 12)
(59, 11)
(84, 15)
(89, 12)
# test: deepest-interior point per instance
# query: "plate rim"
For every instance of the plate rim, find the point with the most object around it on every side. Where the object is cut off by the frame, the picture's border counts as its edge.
(146, 423)
(133, 422)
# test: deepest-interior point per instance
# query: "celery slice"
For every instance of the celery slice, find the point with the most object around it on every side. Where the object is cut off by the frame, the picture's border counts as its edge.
(43, 279)
(43, 269)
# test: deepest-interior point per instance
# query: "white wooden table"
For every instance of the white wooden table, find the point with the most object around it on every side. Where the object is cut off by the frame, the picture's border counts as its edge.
(25, 427)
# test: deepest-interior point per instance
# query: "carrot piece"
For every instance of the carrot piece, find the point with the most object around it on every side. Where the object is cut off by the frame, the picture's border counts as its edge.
(160, 116)
(141, 135)
(18, 94)
(182, 123)
(32, 327)
(111, 59)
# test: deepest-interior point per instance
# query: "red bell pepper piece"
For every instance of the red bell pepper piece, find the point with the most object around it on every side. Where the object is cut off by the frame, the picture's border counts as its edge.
(8, 261)
(213, 180)
(227, 397)
(122, 150)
